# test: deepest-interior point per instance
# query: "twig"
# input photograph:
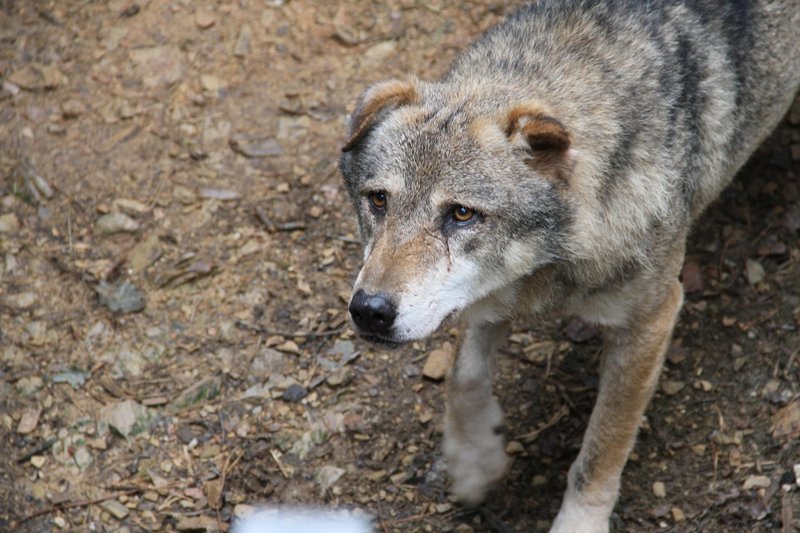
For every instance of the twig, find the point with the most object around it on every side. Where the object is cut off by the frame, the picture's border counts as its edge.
(84, 503)
(349, 240)
(308, 335)
(276, 457)
(533, 435)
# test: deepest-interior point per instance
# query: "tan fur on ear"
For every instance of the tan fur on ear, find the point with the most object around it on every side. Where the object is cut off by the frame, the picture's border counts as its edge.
(541, 131)
(378, 97)
(544, 137)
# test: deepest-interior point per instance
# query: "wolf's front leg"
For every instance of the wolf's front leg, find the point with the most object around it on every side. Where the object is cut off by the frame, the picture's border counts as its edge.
(473, 450)
(631, 365)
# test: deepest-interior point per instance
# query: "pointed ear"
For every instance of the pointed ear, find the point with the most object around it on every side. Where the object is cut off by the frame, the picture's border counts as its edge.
(381, 96)
(544, 139)
(540, 131)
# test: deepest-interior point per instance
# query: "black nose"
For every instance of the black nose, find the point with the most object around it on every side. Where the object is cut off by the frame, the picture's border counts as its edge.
(372, 313)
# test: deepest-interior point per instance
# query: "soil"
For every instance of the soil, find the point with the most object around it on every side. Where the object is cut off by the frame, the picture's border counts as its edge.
(177, 253)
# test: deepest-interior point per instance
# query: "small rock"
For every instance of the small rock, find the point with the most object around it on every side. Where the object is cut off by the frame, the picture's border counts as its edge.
(29, 420)
(677, 514)
(158, 66)
(785, 421)
(59, 522)
(197, 523)
(219, 194)
(327, 476)
(339, 377)
(659, 489)
(145, 253)
(438, 363)
(514, 447)
(21, 302)
(294, 393)
(115, 222)
(377, 54)
(201, 392)
(130, 207)
(754, 271)
(671, 388)
(213, 491)
(29, 385)
(211, 83)
(36, 77)
(289, 347)
(756, 482)
(204, 18)
(126, 418)
(9, 223)
(115, 508)
(38, 461)
(539, 480)
(121, 297)
(242, 46)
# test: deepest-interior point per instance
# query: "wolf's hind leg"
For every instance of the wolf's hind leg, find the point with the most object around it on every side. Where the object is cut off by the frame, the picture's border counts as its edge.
(629, 372)
(473, 450)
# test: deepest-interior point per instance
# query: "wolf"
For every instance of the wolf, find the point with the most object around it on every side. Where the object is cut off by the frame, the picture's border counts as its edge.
(559, 165)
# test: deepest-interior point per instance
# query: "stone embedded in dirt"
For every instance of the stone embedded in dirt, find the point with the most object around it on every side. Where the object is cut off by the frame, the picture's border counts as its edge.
(130, 207)
(204, 18)
(211, 83)
(21, 302)
(289, 347)
(71, 108)
(127, 417)
(438, 363)
(219, 194)
(294, 393)
(159, 65)
(242, 46)
(121, 297)
(115, 222)
(671, 388)
(198, 393)
(71, 450)
(36, 77)
(514, 447)
(145, 253)
(38, 461)
(786, 421)
(255, 148)
(339, 377)
(115, 509)
(378, 53)
(579, 331)
(9, 223)
(197, 523)
(659, 489)
(677, 514)
(29, 420)
(213, 491)
(756, 482)
(327, 476)
(29, 385)
(754, 272)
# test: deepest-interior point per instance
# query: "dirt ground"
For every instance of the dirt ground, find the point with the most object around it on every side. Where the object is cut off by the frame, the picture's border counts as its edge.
(176, 253)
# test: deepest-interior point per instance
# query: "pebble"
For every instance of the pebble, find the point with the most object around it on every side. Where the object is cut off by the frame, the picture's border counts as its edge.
(677, 514)
(327, 476)
(115, 222)
(121, 297)
(754, 271)
(204, 18)
(36, 77)
(21, 301)
(242, 46)
(339, 377)
(130, 207)
(671, 388)
(756, 482)
(29, 420)
(59, 522)
(294, 393)
(159, 65)
(115, 508)
(255, 148)
(9, 223)
(29, 385)
(659, 489)
(438, 363)
(38, 461)
(514, 447)
(145, 253)
(126, 417)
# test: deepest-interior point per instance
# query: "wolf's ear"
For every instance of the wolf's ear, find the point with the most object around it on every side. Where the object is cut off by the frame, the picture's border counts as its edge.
(381, 96)
(543, 138)
(540, 131)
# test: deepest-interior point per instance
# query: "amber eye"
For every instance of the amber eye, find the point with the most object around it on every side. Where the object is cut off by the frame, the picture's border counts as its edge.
(378, 199)
(463, 214)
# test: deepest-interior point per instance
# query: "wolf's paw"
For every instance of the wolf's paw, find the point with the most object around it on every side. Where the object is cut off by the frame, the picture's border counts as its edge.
(575, 517)
(474, 464)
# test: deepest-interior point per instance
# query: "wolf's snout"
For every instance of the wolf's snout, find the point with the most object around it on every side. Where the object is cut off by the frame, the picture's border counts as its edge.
(372, 313)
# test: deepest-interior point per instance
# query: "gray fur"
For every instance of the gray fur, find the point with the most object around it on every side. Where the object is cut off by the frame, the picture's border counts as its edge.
(662, 102)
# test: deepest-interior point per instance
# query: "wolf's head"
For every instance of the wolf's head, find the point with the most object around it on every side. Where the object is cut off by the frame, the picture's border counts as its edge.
(458, 196)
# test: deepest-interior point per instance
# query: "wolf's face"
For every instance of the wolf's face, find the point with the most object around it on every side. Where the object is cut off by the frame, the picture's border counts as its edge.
(456, 199)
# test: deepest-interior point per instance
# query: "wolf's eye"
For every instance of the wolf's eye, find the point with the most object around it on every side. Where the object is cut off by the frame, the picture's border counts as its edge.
(463, 214)
(378, 199)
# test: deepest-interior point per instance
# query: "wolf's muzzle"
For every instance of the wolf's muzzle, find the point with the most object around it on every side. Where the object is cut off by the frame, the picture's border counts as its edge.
(373, 314)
